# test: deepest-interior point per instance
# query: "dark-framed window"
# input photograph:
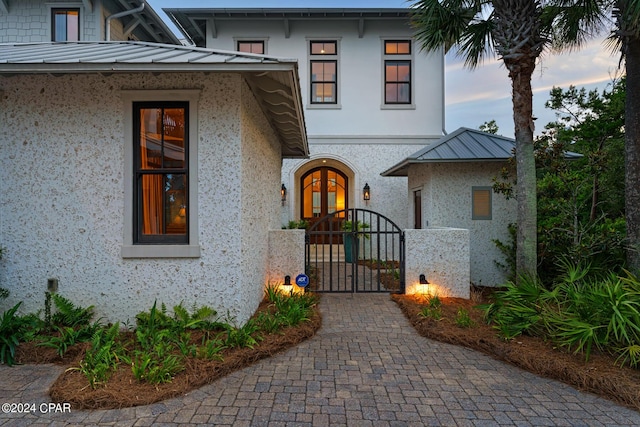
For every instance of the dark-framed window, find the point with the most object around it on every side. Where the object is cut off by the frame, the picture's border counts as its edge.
(324, 71)
(481, 203)
(161, 172)
(397, 72)
(417, 209)
(251, 46)
(65, 25)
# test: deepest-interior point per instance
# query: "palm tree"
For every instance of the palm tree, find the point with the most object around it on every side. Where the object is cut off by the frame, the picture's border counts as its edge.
(514, 30)
(519, 31)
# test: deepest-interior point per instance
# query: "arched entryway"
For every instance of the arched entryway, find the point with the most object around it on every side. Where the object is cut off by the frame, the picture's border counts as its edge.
(323, 190)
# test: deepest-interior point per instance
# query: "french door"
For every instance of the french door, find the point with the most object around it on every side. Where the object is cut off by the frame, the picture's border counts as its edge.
(324, 190)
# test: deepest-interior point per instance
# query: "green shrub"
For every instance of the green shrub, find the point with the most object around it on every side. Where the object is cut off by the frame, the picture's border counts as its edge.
(463, 319)
(579, 313)
(68, 314)
(11, 327)
(102, 358)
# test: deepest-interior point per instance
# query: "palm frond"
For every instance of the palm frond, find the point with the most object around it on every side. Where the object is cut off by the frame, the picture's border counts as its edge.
(442, 25)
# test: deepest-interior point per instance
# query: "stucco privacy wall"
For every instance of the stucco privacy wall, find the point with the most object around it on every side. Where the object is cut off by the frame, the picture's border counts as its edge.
(442, 255)
(446, 202)
(62, 199)
(286, 255)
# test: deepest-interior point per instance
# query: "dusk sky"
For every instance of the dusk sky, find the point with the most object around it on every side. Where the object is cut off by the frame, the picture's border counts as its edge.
(472, 97)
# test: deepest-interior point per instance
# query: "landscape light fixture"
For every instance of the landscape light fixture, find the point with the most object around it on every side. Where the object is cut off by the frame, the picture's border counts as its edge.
(366, 192)
(287, 280)
(423, 280)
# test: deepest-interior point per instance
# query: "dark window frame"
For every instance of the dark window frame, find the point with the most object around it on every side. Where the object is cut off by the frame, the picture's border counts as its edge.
(398, 83)
(59, 11)
(323, 58)
(393, 57)
(138, 237)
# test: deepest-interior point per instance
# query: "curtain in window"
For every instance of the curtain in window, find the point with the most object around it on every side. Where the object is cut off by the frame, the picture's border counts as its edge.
(151, 183)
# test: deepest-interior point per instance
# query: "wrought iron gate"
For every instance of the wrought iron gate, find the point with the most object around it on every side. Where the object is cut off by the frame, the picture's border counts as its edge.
(355, 250)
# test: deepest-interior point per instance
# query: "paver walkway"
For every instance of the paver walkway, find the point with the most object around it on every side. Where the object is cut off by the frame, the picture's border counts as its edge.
(365, 367)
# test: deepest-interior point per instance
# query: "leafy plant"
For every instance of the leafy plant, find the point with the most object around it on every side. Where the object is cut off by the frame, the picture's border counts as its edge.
(243, 337)
(157, 366)
(68, 314)
(102, 358)
(302, 224)
(211, 349)
(463, 319)
(10, 334)
(433, 309)
(357, 227)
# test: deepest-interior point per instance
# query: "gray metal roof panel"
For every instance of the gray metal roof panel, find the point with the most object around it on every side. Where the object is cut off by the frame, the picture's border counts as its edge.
(122, 52)
(462, 145)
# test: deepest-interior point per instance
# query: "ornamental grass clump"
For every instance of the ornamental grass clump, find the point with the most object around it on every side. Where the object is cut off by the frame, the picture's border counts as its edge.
(580, 313)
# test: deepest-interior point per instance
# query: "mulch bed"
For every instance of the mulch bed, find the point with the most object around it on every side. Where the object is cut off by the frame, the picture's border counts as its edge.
(124, 390)
(599, 375)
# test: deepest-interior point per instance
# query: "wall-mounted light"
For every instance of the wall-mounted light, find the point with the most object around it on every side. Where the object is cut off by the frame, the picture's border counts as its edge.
(423, 280)
(366, 192)
(283, 194)
(287, 280)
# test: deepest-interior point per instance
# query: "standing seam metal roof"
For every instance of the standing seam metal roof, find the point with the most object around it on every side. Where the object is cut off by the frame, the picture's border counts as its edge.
(462, 145)
(274, 81)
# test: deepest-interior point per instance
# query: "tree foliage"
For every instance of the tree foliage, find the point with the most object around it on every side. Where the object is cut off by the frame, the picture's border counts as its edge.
(581, 201)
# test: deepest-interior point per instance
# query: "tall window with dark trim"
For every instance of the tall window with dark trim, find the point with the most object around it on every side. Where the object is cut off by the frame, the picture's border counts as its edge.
(256, 46)
(324, 72)
(161, 172)
(397, 72)
(65, 25)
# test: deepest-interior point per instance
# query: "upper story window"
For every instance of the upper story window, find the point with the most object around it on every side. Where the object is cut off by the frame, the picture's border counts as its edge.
(397, 72)
(323, 65)
(65, 25)
(161, 172)
(251, 46)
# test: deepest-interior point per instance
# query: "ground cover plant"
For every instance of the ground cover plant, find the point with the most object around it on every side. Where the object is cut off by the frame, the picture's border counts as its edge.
(168, 353)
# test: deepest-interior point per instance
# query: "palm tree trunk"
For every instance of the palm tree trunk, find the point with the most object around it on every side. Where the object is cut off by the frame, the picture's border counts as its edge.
(527, 238)
(632, 152)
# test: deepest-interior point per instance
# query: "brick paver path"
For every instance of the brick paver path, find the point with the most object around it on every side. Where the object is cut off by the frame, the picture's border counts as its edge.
(365, 367)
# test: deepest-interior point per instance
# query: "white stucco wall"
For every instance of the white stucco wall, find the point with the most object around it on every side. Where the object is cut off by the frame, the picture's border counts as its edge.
(363, 163)
(62, 150)
(446, 202)
(260, 197)
(360, 109)
(442, 255)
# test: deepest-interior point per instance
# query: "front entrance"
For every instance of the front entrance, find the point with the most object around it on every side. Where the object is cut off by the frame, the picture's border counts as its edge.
(355, 250)
(324, 190)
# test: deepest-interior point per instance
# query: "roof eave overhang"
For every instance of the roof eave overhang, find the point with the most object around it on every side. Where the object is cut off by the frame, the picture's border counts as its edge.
(291, 134)
(402, 168)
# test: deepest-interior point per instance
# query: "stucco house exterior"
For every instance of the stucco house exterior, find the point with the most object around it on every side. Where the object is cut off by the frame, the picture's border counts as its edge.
(135, 171)
(371, 97)
(138, 169)
(450, 185)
